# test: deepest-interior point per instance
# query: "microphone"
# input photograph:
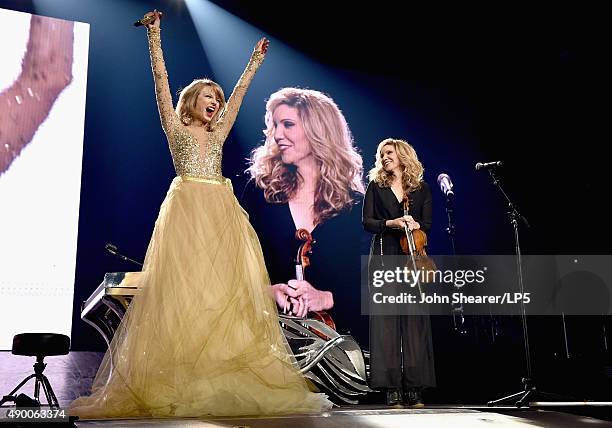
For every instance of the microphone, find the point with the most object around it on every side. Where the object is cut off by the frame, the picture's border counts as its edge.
(488, 165)
(147, 20)
(111, 249)
(446, 185)
(115, 252)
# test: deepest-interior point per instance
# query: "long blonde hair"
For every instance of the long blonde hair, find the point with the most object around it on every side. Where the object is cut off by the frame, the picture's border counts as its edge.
(331, 143)
(188, 98)
(412, 173)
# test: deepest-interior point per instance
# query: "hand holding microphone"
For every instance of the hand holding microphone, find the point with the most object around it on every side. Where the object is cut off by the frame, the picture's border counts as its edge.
(150, 18)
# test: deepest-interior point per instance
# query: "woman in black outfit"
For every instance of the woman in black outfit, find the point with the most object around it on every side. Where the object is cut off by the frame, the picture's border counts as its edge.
(308, 175)
(400, 345)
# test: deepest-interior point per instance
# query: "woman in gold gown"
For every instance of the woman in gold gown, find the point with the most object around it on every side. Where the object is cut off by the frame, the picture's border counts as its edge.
(203, 336)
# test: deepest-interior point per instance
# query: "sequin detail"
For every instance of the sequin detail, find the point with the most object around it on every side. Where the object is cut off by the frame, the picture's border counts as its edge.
(192, 156)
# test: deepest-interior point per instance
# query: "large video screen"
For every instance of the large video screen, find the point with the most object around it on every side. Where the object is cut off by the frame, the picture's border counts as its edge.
(43, 82)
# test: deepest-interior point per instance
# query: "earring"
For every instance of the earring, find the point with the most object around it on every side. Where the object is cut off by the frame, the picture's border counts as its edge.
(187, 119)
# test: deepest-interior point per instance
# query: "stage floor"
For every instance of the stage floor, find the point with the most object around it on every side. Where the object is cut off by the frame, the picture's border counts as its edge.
(379, 417)
(71, 375)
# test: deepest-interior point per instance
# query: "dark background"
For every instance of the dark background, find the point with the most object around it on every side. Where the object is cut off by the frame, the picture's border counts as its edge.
(525, 85)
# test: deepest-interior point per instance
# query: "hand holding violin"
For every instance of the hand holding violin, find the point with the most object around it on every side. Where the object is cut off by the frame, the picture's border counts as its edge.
(282, 295)
(312, 300)
(398, 223)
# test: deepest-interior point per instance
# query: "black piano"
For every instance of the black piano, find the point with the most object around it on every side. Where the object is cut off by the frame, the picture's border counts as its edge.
(334, 363)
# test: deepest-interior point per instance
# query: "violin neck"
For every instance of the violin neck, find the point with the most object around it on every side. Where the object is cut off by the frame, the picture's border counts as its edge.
(406, 204)
(299, 272)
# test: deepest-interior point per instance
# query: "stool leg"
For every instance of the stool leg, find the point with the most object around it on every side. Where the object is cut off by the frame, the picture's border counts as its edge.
(51, 398)
(37, 388)
(21, 384)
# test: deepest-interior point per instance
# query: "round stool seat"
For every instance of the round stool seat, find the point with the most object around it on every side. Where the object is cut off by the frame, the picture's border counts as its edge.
(43, 344)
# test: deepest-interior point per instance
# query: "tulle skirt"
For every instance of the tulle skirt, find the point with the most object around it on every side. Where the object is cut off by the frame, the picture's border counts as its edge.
(202, 337)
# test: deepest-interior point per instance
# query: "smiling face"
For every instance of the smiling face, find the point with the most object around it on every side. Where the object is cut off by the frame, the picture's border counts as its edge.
(389, 159)
(289, 135)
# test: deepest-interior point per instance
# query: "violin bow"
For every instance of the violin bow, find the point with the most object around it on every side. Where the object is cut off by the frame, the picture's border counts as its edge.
(411, 244)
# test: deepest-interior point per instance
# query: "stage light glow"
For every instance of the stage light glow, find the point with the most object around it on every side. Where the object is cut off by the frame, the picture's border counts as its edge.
(228, 42)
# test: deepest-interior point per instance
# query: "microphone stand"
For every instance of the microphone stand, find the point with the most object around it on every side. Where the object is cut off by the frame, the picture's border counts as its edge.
(457, 308)
(529, 390)
(450, 229)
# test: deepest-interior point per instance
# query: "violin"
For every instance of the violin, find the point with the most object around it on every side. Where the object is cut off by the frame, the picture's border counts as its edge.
(302, 262)
(420, 242)
(413, 244)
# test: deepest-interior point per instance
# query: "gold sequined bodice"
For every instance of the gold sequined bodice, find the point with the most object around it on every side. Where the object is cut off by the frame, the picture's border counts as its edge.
(192, 156)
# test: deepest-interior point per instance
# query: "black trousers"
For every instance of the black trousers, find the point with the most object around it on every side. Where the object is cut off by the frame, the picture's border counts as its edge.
(401, 352)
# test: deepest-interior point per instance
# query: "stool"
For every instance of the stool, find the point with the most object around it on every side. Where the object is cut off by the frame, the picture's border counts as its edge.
(39, 345)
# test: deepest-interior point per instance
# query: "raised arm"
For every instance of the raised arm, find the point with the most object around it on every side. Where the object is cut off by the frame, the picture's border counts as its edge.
(228, 118)
(167, 115)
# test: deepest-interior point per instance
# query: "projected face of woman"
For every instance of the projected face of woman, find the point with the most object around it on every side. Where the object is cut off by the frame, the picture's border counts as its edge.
(207, 105)
(290, 136)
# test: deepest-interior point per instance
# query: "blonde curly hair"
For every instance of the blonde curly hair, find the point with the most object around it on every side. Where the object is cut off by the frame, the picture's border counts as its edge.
(412, 173)
(331, 143)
